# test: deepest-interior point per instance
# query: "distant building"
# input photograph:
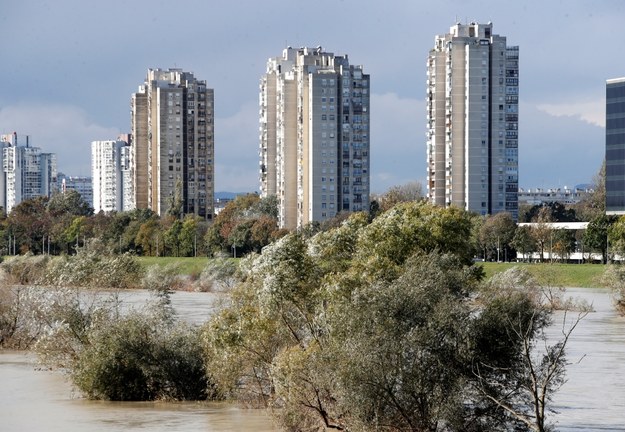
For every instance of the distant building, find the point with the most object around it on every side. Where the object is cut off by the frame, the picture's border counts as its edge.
(27, 172)
(472, 120)
(111, 177)
(615, 147)
(172, 150)
(563, 195)
(221, 203)
(314, 135)
(82, 185)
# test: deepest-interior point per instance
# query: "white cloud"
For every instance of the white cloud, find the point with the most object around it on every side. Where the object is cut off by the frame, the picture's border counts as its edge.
(62, 129)
(592, 112)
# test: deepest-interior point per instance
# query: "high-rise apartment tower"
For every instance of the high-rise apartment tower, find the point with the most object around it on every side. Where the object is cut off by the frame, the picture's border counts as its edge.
(172, 151)
(26, 173)
(314, 135)
(110, 173)
(615, 147)
(472, 120)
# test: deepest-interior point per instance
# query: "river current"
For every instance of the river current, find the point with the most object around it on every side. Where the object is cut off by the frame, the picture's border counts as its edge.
(593, 398)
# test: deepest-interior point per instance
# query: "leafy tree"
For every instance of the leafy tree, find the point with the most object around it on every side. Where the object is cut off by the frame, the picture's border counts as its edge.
(220, 274)
(616, 236)
(563, 243)
(497, 233)
(262, 232)
(368, 326)
(70, 202)
(408, 228)
(614, 278)
(175, 202)
(29, 224)
(542, 232)
(523, 241)
(173, 238)
(395, 369)
(189, 234)
(592, 204)
(149, 238)
(596, 235)
(556, 212)
(245, 224)
(94, 266)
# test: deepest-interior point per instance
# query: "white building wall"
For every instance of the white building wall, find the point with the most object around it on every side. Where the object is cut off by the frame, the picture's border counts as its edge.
(27, 173)
(110, 173)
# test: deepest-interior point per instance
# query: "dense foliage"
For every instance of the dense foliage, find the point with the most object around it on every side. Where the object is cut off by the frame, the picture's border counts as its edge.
(382, 326)
(64, 222)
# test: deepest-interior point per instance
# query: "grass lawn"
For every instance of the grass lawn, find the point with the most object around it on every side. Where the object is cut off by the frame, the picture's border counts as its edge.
(566, 275)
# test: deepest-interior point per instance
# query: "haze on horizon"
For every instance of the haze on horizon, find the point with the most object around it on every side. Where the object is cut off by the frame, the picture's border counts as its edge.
(71, 66)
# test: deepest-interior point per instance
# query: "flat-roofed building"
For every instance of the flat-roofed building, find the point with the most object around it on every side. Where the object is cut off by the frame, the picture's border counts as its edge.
(172, 150)
(472, 120)
(314, 135)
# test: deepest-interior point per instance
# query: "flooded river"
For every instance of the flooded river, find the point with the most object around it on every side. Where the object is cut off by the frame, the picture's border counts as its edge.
(593, 399)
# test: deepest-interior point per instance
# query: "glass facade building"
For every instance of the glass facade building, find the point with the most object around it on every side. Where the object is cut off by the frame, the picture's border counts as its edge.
(615, 147)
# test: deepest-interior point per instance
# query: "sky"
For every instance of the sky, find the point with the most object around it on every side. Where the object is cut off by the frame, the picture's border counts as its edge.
(69, 68)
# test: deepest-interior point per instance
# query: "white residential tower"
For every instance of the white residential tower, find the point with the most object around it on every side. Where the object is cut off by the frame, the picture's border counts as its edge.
(472, 120)
(314, 135)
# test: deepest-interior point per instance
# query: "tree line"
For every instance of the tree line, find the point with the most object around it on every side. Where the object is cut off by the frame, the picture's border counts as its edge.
(64, 222)
(60, 224)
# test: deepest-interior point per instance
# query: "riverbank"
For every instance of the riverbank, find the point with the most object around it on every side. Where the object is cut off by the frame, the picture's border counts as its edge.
(555, 274)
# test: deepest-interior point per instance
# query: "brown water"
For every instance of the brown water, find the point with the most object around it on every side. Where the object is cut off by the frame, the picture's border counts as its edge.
(593, 399)
(36, 400)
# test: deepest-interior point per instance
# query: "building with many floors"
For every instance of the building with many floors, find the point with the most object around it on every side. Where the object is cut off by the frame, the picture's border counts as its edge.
(172, 149)
(27, 172)
(472, 120)
(615, 147)
(314, 135)
(82, 185)
(111, 176)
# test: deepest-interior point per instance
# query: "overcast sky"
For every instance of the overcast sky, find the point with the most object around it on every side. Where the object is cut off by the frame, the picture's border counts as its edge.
(69, 67)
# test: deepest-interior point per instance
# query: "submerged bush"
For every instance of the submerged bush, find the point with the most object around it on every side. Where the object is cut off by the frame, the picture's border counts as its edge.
(614, 278)
(134, 359)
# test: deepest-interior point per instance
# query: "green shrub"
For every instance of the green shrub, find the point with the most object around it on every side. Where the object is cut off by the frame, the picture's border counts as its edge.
(134, 359)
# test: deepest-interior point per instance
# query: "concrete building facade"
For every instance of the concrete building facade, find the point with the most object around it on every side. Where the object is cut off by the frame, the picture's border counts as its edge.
(472, 120)
(615, 147)
(314, 135)
(172, 150)
(80, 184)
(111, 177)
(27, 172)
